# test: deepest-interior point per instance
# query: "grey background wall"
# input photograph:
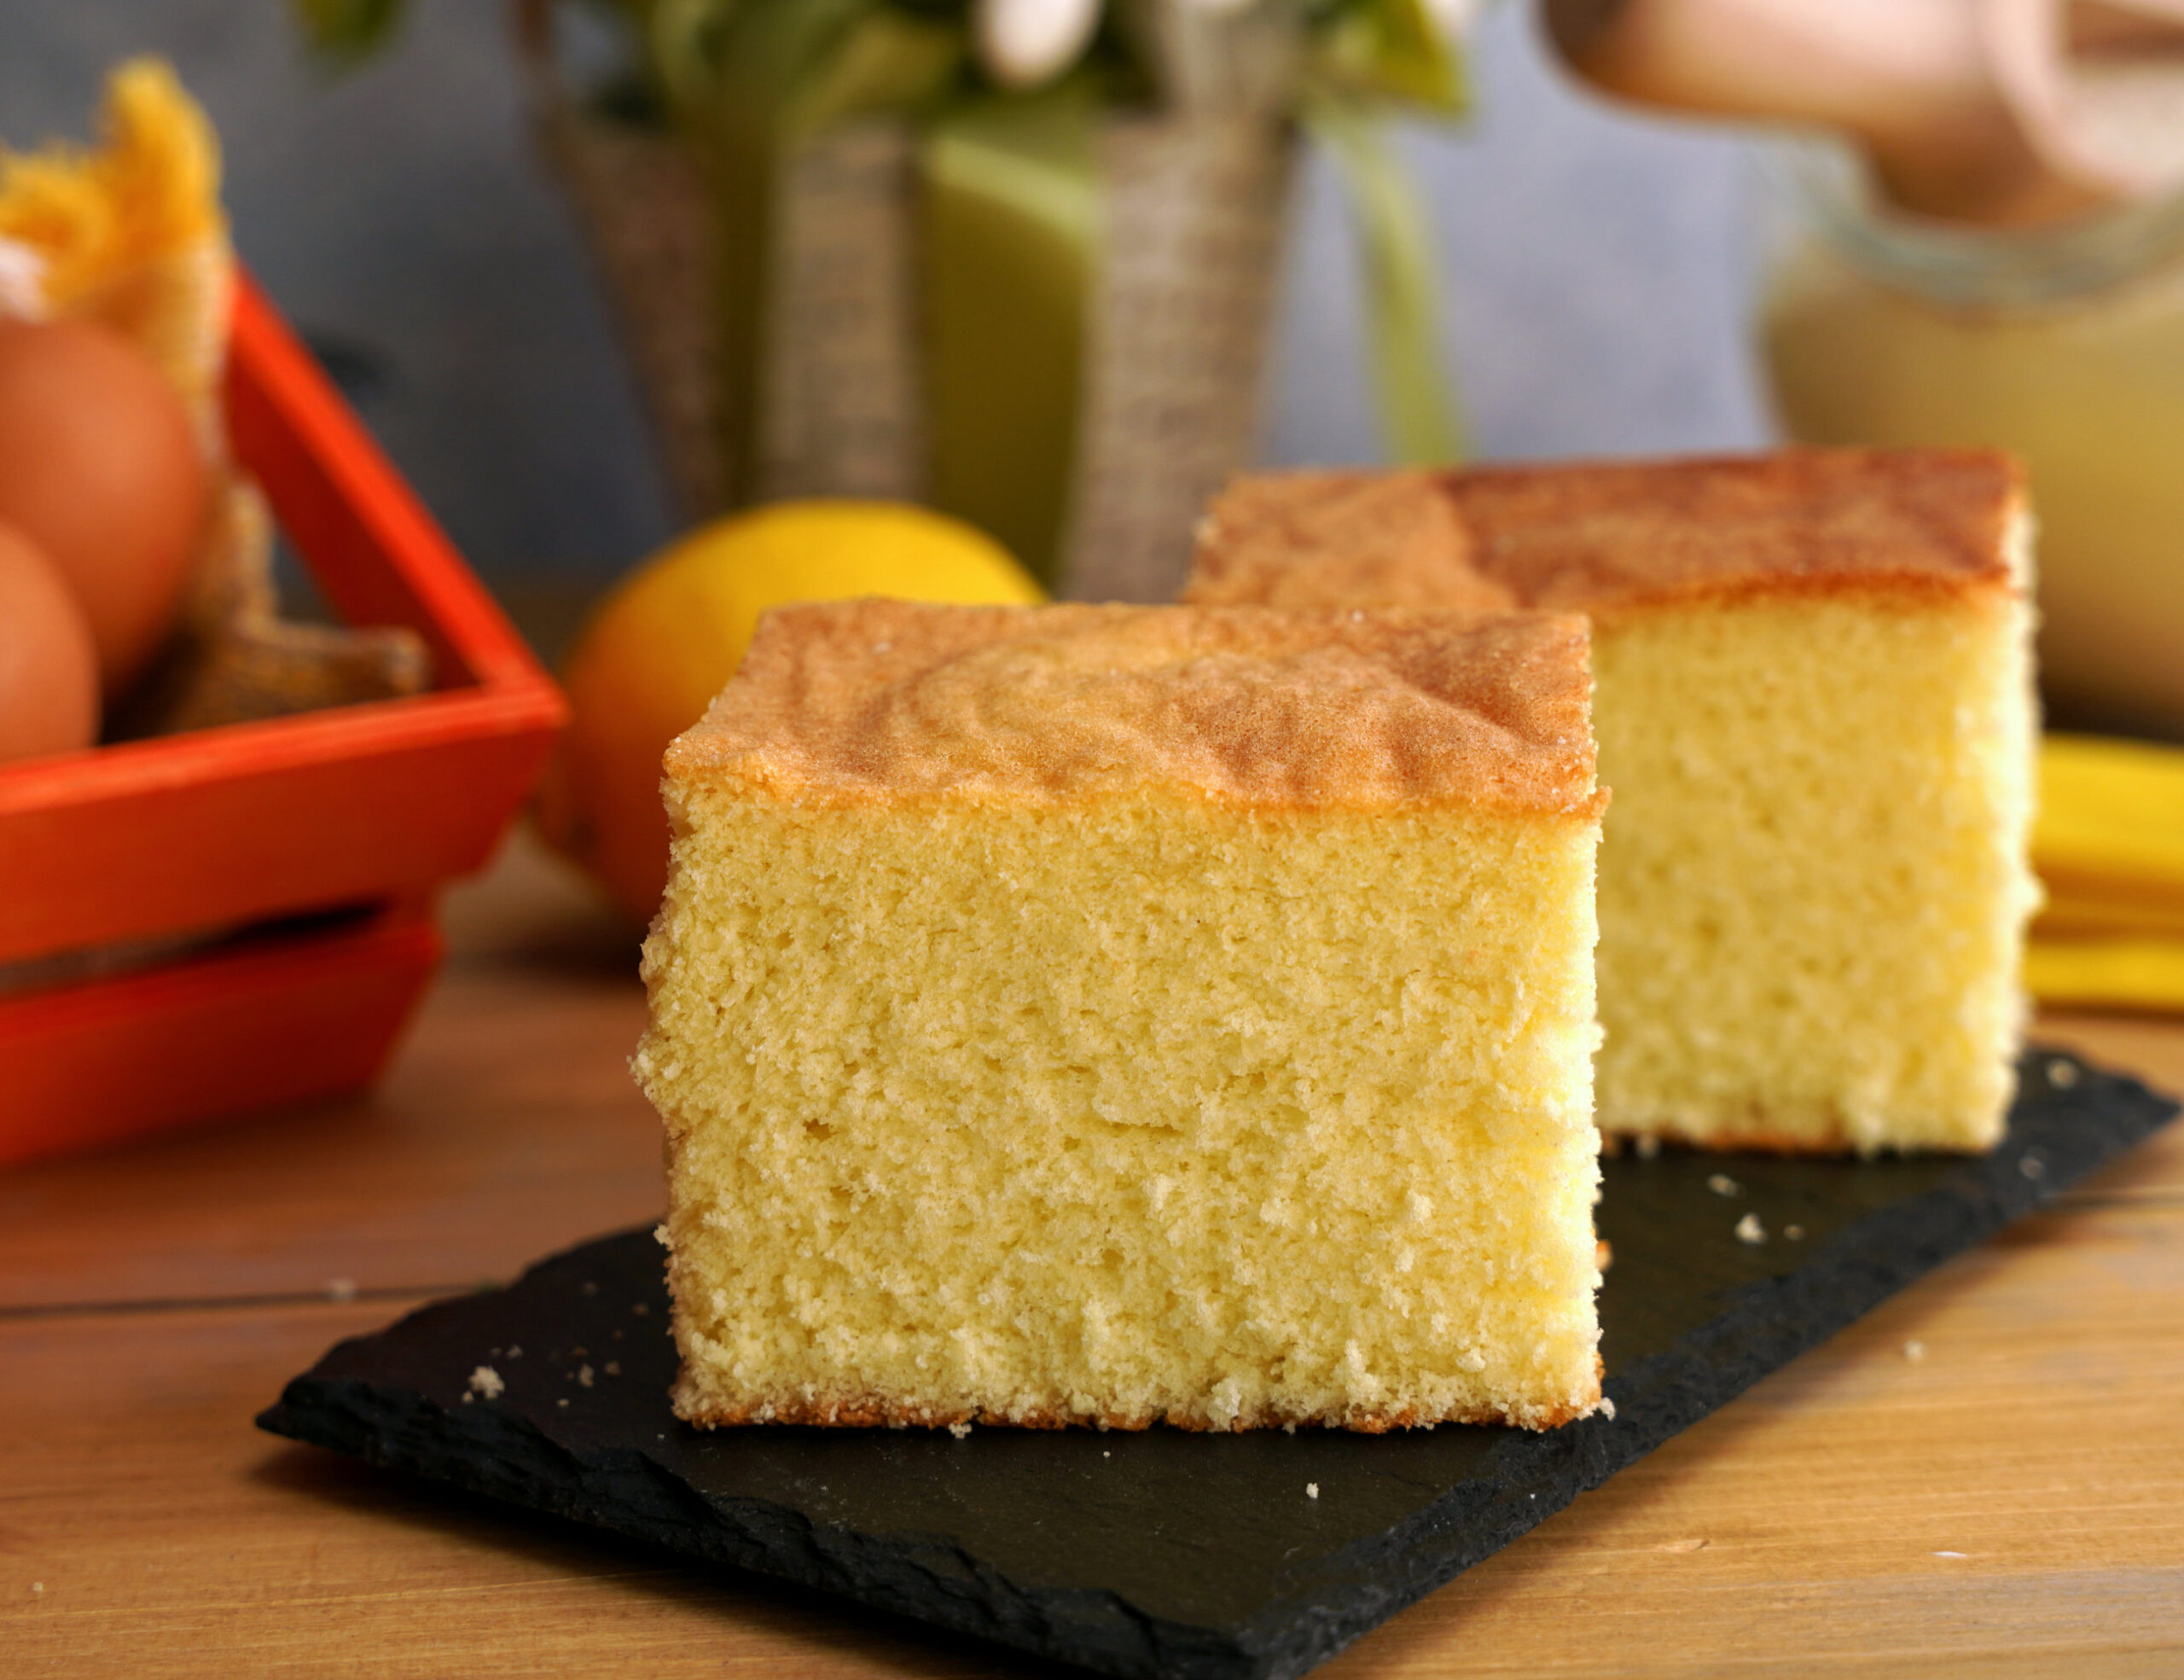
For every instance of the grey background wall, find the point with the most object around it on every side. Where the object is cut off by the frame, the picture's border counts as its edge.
(1598, 266)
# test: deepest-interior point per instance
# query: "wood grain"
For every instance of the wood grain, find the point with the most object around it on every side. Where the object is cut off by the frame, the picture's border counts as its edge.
(152, 1300)
(153, 1531)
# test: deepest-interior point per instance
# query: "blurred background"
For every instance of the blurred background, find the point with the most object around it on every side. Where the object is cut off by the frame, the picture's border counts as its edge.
(1599, 268)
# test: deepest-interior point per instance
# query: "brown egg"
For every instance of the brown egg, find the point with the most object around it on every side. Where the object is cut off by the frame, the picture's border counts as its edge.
(49, 669)
(99, 469)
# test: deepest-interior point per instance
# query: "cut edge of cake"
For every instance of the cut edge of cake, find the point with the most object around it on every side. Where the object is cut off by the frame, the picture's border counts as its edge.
(755, 791)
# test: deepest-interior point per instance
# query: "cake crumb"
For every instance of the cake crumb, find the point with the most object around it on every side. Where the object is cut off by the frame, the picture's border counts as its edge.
(959, 1430)
(1722, 1185)
(1607, 1409)
(37, 1588)
(1311, 1490)
(2031, 1167)
(341, 1289)
(641, 1309)
(515, 1353)
(562, 1402)
(583, 1376)
(613, 1369)
(1749, 1229)
(1913, 1351)
(590, 1287)
(1648, 1146)
(2062, 1074)
(1795, 1233)
(487, 1381)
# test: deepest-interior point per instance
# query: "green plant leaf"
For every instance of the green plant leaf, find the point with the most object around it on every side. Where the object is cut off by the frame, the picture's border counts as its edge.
(344, 32)
(1391, 49)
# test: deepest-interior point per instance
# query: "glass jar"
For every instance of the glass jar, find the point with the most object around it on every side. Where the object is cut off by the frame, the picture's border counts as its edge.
(2063, 344)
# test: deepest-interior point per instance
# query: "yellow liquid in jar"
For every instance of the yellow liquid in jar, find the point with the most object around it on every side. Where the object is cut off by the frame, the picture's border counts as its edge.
(2088, 389)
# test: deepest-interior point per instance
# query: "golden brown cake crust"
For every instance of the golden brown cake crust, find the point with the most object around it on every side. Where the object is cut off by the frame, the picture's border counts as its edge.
(1601, 538)
(1334, 540)
(847, 702)
(869, 1413)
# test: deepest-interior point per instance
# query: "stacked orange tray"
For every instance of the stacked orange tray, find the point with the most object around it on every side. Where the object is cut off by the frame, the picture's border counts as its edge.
(296, 862)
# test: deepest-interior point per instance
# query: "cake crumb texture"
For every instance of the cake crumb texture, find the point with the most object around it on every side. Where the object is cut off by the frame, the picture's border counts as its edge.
(1813, 878)
(1127, 1113)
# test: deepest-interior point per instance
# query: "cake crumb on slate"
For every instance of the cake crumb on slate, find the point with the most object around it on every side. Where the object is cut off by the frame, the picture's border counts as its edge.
(1722, 1185)
(487, 1381)
(1311, 1490)
(1749, 1229)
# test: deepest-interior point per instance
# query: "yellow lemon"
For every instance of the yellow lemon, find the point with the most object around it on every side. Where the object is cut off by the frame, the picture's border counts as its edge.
(663, 644)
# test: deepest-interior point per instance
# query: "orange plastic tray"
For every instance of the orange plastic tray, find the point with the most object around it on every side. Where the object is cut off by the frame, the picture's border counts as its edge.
(356, 816)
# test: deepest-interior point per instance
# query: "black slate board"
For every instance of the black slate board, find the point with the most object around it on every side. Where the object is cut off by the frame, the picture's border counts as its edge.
(1162, 1553)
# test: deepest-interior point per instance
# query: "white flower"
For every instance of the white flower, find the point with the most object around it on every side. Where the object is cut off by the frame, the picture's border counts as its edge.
(1454, 19)
(1025, 43)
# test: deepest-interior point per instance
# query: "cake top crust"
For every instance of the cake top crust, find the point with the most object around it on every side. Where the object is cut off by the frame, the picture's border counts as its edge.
(867, 700)
(1601, 537)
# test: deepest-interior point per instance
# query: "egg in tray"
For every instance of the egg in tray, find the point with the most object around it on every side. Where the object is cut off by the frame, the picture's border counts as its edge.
(223, 834)
(136, 575)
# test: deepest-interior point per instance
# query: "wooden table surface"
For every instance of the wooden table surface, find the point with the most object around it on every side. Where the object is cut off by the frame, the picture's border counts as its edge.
(2011, 1503)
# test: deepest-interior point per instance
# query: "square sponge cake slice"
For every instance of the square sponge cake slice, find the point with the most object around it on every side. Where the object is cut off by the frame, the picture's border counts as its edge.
(1121, 1015)
(1814, 712)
